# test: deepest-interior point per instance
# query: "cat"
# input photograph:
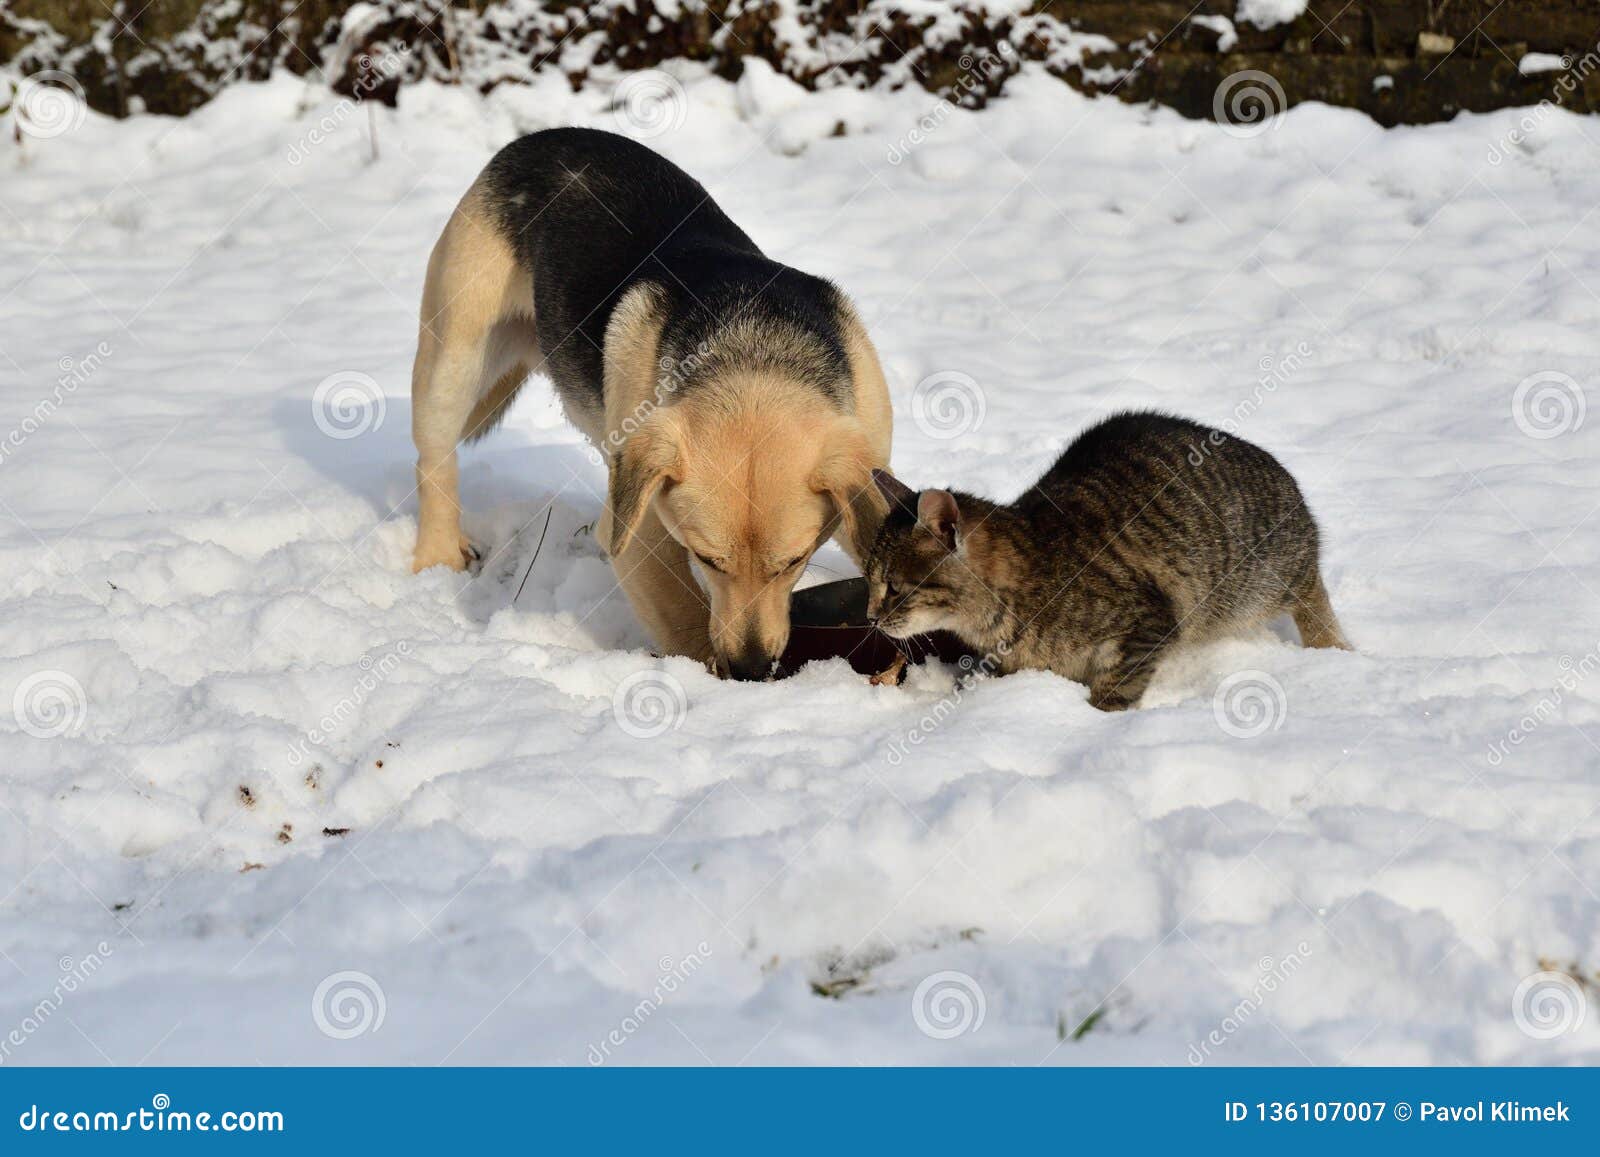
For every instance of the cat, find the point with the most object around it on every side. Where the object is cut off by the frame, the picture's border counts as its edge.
(1150, 530)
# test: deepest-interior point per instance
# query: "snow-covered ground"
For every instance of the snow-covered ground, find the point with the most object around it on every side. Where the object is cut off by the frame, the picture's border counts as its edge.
(216, 655)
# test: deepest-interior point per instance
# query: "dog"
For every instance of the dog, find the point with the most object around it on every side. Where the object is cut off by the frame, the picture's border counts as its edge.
(738, 402)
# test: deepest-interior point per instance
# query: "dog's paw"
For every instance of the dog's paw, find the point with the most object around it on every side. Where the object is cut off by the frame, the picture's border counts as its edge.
(457, 559)
(453, 561)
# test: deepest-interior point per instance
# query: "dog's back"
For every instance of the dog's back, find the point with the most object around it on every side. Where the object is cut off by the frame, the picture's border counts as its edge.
(590, 215)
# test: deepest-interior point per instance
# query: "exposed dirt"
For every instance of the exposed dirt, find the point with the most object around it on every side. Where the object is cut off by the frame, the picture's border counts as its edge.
(1410, 61)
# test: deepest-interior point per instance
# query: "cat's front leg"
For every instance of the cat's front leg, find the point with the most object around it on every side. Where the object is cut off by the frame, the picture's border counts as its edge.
(1123, 666)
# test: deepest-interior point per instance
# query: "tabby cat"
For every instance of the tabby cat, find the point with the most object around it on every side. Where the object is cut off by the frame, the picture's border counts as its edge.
(1149, 531)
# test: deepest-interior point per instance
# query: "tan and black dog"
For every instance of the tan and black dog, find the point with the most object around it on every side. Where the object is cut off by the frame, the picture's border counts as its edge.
(738, 401)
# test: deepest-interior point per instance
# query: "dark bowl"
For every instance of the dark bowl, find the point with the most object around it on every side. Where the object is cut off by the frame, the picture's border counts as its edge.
(830, 622)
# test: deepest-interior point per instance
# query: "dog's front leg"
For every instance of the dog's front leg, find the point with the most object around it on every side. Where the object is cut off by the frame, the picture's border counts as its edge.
(653, 570)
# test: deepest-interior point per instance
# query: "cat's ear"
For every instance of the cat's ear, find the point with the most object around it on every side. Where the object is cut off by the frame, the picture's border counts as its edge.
(937, 510)
(896, 492)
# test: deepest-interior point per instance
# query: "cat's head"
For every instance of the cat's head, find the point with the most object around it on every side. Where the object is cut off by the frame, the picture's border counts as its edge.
(918, 577)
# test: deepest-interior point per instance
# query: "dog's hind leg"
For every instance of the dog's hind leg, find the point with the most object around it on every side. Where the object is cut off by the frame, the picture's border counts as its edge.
(474, 346)
(494, 403)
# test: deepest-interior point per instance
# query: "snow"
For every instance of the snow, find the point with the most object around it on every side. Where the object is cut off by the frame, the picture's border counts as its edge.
(1269, 13)
(1533, 63)
(561, 849)
(1227, 34)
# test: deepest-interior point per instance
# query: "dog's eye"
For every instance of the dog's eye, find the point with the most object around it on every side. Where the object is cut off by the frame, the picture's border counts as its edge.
(707, 563)
(785, 568)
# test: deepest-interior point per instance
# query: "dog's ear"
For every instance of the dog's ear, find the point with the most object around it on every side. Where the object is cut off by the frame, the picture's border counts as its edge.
(845, 473)
(650, 457)
(938, 512)
(895, 492)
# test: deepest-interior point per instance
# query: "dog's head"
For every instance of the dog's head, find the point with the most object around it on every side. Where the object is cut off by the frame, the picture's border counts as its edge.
(751, 482)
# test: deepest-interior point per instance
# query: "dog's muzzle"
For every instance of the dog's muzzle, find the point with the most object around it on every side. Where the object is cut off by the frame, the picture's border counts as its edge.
(751, 666)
